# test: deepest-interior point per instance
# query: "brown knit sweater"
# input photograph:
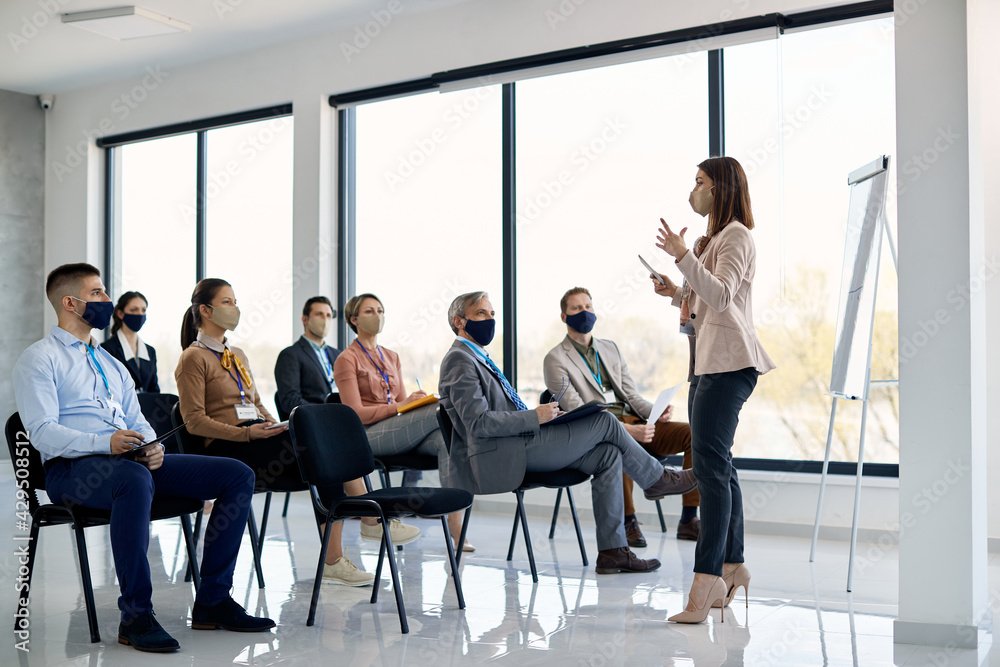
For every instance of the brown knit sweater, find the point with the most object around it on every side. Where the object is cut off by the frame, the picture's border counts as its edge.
(209, 394)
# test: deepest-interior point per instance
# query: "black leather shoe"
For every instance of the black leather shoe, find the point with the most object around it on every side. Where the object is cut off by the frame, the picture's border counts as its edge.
(689, 530)
(672, 483)
(634, 535)
(227, 614)
(143, 633)
(613, 561)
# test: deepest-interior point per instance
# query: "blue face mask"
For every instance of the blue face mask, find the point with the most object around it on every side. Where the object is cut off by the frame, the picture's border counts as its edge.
(133, 322)
(481, 330)
(97, 313)
(582, 321)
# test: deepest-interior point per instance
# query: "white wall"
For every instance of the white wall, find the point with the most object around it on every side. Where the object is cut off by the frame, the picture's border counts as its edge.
(409, 47)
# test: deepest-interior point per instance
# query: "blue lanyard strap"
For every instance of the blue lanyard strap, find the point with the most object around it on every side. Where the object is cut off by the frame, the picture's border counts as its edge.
(597, 375)
(325, 363)
(509, 390)
(385, 376)
(236, 375)
(100, 370)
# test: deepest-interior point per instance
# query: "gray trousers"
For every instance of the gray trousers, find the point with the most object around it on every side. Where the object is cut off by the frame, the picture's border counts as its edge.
(413, 432)
(599, 446)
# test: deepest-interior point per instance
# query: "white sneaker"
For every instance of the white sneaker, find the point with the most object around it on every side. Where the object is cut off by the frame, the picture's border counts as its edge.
(346, 573)
(400, 532)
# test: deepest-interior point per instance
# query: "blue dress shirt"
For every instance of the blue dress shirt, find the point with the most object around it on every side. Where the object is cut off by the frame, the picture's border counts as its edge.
(64, 403)
(324, 361)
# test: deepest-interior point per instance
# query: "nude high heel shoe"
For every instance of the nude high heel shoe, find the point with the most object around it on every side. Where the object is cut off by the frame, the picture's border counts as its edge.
(716, 594)
(738, 577)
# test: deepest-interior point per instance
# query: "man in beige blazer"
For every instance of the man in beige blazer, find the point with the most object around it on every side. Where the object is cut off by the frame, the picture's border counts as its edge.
(583, 368)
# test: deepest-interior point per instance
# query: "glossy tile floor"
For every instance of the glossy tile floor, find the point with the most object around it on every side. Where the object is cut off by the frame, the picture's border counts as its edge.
(798, 614)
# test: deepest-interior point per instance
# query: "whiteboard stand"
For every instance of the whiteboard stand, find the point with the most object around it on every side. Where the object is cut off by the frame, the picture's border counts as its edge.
(877, 168)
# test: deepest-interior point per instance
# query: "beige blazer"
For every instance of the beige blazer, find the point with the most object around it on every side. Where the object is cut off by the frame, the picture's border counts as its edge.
(563, 361)
(721, 303)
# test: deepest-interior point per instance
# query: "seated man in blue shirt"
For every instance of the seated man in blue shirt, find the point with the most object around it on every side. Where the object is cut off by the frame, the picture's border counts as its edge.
(79, 407)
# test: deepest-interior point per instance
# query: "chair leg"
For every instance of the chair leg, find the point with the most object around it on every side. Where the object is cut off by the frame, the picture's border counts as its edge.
(378, 572)
(461, 537)
(387, 544)
(263, 521)
(252, 527)
(197, 526)
(659, 510)
(192, 568)
(319, 572)
(513, 531)
(88, 585)
(454, 563)
(284, 510)
(527, 537)
(196, 532)
(576, 523)
(555, 514)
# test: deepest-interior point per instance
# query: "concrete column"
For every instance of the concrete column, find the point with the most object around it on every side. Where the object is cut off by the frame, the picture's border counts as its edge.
(943, 579)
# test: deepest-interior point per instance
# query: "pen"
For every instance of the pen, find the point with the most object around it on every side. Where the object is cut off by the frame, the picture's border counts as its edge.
(419, 388)
(110, 424)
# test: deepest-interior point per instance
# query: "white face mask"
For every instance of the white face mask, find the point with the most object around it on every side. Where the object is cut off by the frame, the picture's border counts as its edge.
(320, 326)
(701, 201)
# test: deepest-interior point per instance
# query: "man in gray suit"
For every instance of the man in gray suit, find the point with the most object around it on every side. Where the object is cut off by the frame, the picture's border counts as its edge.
(497, 439)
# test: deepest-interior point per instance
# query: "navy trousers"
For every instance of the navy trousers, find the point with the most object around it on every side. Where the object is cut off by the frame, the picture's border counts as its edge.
(714, 404)
(126, 488)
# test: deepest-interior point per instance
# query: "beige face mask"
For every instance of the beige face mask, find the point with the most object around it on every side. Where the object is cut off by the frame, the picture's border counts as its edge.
(227, 317)
(371, 324)
(701, 201)
(320, 326)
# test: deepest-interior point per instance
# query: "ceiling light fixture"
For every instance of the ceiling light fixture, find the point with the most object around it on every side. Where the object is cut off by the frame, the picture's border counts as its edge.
(125, 22)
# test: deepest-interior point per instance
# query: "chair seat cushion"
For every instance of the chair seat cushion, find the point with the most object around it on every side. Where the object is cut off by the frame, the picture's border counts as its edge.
(163, 507)
(554, 479)
(409, 501)
(409, 461)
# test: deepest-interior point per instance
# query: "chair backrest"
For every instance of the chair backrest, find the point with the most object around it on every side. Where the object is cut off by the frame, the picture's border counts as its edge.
(447, 428)
(186, 443)
(24, 457)
(333, 397)
(282, 415)
(156, 408)
(546, 397)
(330, 444)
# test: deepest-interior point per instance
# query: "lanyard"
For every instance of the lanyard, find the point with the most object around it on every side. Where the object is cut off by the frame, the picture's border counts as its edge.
(325, 363)
(239, 382)
(385, 376)
(100, 370)
(597, 375)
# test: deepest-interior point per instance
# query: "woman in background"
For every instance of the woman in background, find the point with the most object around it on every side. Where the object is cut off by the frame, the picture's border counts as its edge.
(126, 346)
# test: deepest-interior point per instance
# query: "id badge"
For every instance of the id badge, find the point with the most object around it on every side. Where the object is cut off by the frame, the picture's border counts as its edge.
(609, 396)
(245, 411)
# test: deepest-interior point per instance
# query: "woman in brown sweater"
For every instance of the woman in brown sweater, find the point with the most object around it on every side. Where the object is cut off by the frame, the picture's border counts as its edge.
(220, 403)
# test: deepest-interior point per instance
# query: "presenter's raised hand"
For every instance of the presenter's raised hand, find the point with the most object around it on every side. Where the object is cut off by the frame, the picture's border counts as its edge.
(547, 412)
(123, 441)
(670, 243)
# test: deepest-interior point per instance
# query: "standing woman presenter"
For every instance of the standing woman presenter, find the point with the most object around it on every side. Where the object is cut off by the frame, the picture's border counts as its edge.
(728, 359)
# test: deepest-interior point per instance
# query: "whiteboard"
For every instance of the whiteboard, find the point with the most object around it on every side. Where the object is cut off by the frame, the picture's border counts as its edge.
(862, 251)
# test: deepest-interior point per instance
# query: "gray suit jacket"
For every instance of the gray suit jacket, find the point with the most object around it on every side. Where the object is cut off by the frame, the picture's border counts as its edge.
(563, 361)
(487, 446)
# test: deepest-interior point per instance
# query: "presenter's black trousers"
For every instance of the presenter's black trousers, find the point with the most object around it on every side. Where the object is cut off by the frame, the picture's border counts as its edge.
(714, 405)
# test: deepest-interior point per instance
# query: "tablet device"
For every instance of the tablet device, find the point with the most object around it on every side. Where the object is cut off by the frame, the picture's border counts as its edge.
(278, 425)
(584, 410)
(132, 453)
(652, 270)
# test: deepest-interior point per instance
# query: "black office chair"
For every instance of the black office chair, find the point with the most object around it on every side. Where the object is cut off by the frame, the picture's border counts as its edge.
(26, 458)
(558, 479)
(332, 448)
(156, 408)
(189, 444)
(545, 398)
(282, 416)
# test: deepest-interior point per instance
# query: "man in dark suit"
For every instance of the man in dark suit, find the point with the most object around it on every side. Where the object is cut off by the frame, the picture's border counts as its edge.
(496, 438)
(304, 371)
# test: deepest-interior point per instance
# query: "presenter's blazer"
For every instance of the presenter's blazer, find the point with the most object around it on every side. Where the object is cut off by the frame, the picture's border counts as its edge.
(143, 371)
(721, 283)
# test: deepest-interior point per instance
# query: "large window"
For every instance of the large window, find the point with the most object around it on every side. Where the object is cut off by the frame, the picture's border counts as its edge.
(428, 218)
(246, 223)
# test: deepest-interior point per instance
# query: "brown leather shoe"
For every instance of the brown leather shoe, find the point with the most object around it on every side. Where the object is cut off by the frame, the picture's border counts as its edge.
(689, 530)
(613, 561)
(672, 483)
(634, 535)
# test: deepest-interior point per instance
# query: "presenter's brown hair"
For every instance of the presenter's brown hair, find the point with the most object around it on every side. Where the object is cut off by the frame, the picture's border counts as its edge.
(731, 194)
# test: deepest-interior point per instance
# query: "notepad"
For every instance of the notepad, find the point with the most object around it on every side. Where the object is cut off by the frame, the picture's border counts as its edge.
(419, 403)
(584, 410)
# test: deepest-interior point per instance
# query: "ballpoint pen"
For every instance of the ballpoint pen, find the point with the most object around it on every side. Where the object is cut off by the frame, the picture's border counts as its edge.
(419, 388)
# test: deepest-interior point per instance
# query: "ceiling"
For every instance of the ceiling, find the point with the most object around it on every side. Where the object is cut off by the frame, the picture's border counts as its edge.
(44, 55)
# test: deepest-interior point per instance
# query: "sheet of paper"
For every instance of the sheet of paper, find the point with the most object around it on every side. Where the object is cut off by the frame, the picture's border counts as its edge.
(662, 401)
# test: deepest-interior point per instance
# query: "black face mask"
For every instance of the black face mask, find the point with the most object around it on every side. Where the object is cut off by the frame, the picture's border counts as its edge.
(482, 331)
(582, 322)
(97, 313)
